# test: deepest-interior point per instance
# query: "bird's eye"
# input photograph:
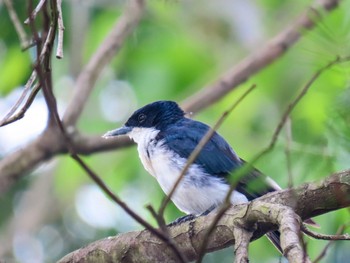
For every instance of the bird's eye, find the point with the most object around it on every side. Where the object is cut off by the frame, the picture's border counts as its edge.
(142, 118)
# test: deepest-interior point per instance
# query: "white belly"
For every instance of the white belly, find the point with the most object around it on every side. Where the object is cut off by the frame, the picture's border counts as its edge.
(197, 191)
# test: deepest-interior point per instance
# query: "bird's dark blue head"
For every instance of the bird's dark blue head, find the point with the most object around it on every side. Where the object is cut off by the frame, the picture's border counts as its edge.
(156, 115)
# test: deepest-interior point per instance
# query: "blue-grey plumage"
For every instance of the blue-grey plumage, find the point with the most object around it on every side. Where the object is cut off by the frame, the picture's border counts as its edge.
(166, 138)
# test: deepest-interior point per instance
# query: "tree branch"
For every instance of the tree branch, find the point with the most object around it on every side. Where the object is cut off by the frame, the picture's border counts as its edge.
(265, 214)
(259, 60)
(242, 240)
(291, 243)
(22, 35)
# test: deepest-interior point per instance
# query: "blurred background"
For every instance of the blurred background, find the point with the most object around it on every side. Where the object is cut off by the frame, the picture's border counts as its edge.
(178, 47)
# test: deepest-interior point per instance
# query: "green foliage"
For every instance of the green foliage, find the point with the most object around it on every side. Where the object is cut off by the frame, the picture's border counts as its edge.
(15, 66)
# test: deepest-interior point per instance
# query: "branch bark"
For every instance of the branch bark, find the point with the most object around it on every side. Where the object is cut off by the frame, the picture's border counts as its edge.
(280, 209)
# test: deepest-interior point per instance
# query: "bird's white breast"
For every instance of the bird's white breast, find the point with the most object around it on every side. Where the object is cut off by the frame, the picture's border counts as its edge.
(197, 191)
(144, 138)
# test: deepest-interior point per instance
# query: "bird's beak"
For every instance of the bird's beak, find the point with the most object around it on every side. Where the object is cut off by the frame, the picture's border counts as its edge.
(120, 131)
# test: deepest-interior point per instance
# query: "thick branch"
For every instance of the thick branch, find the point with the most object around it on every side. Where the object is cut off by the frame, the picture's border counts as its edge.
(291, 243)
(23, 161)
(242, 240)
(306, 201)
(84, 144)
(27, 158)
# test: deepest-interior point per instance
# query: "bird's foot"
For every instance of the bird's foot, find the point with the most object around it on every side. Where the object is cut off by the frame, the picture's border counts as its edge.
(190, 217)
(183, 219)
(206, 212)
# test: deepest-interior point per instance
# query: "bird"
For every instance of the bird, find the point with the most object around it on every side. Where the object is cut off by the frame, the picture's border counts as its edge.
(166, 138)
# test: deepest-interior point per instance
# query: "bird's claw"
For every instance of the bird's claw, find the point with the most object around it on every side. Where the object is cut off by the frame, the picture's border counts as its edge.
(183, 219)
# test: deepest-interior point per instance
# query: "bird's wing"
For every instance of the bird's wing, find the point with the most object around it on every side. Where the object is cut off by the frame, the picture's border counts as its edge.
(255, 184)
(216, 158)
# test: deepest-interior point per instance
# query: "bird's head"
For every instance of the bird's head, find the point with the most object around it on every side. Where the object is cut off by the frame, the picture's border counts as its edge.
(157, 115)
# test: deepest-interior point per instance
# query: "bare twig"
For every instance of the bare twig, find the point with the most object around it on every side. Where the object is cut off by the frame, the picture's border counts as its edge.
(23, 38)
(33, 15)
(292, 105)
(287, 151)
(337, 236)
(27, 87)
(331, 240)
(9, 118)
(59, 53)
(20, 114)
(43, 54)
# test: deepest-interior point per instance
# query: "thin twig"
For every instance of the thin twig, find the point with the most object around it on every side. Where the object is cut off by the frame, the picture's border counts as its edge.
(47, 44)
(59, 52)
(22, 35)
(9, 118)
(31, 79)
(287, 151)
(199, 148)
(27, 87)
(160, 220)
(316, 235)
(325, 249)
(33, 15)
(292, 105)
(20, 114)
